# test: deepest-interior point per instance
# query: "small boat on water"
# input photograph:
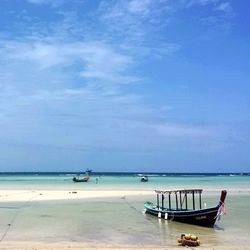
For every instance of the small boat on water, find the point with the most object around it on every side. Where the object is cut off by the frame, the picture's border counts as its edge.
(77, 178)
(144, 178)
(181, 212)
(84, 179)
(88, 171)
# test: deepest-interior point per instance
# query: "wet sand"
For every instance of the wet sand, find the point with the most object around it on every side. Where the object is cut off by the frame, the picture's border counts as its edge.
(77, 246)
(47, 219)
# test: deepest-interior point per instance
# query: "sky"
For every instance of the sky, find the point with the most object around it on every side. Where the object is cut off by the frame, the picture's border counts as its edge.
(125, 85)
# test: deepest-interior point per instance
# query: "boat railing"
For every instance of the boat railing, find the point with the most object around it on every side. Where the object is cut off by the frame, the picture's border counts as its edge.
(181, 199)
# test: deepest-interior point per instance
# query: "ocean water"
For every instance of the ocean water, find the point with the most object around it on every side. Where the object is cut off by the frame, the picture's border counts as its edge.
(129, 181)
(120, 221)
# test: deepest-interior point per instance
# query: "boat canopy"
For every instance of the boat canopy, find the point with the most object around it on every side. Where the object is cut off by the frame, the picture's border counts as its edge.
(181, 202)
(182, 191)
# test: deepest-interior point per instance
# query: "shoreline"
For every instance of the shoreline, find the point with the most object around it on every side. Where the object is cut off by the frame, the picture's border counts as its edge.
(14, 195)
(57, 195)
(82, 246)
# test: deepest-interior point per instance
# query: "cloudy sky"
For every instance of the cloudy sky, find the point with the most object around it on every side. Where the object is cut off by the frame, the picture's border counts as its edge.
(125, 85)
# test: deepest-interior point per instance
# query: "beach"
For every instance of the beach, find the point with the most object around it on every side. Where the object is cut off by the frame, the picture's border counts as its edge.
(124, 124)
(72, 246)
(55, 195)
(39, 214)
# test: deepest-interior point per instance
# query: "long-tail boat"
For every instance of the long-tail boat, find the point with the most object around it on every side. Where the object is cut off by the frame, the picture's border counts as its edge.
(180, 212)
(84, 179)
(77, 178)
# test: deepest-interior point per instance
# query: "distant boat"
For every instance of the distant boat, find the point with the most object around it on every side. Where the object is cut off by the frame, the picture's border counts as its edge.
(84, 179)
(181, 213)
(88, 171)
(144, 178)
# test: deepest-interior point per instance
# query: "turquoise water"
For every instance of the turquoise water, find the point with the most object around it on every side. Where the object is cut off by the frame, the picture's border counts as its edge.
(107, 182)
(120, 221)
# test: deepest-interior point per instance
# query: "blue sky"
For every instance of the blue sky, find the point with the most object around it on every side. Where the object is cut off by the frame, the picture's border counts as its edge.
(125, 85)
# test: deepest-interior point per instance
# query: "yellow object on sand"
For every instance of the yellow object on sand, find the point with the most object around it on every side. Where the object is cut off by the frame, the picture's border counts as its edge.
(193, 237)
(188, 240)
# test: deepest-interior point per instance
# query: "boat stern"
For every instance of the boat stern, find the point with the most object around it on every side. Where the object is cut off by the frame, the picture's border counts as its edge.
(223, 196)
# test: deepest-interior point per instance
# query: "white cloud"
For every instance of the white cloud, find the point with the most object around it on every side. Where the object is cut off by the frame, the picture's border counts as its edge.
(68, 88)
(217, 4)
(178, 130)
(105, 64)
(37, 1)
(225, 7)
(98, 60)
(52, 3)
(217, 16)
(189, 3)
(139, 6)
(85, 78)
(134, 20)
(44, 55)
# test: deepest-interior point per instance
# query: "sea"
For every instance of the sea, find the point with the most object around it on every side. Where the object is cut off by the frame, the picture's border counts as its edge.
(121, 221)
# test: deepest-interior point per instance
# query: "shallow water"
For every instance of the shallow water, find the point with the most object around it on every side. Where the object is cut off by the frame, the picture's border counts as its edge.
(120, 220)
(116, 221)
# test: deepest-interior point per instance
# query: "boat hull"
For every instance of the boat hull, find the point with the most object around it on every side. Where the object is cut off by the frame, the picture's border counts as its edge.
(204, 217)
(86, 179)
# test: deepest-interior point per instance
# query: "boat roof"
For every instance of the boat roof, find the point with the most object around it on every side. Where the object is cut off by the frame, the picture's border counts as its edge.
(182, 191)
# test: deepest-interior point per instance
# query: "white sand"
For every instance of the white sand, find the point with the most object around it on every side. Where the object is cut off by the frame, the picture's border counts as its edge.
(50, 195)
(46, 195)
